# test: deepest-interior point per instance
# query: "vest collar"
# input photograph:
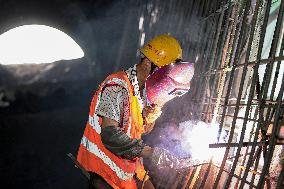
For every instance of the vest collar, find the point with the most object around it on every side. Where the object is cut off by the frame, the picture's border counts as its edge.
(132, 76)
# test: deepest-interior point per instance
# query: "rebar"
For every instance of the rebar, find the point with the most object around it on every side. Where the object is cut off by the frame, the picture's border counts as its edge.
(244, 144)
(261, 112)
(239, 66)
(243, 14)
(240, 94)
(228, 88)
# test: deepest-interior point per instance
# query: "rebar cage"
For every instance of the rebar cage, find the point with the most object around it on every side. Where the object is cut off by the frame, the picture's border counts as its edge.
(238, 84)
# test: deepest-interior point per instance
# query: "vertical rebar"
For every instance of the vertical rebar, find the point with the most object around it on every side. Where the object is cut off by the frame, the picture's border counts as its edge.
(222, 42)
(244, 12)
(240, 91)
(255, 82)
(278, 117)
(231, 78)
(247, 149)
(273, 139)
(263, 31)
(206, 174)
(212, 55)
(256, 159)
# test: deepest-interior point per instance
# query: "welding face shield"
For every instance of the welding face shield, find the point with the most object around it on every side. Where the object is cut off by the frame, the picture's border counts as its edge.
(168, 82)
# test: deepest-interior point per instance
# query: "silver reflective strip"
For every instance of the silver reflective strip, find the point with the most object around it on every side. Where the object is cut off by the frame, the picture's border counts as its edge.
(94, 122)
(94, 149)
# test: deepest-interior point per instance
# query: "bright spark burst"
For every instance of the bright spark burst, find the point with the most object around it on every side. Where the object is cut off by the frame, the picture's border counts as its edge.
(196, 137)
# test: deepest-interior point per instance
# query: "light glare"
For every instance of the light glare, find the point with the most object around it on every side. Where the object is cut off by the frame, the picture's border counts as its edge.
(141, 21)
(197, 136)
(142, 39)
(37, 44)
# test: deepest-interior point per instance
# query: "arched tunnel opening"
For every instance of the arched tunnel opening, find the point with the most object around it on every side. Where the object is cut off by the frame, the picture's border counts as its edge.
(231, 119)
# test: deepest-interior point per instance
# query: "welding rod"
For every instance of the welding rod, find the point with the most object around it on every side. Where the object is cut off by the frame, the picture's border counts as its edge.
(245, 144)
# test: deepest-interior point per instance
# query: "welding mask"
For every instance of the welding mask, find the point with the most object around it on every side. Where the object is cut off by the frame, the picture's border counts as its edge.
(168, 82)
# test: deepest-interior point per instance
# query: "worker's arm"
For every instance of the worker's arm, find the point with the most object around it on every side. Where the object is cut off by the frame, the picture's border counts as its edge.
(113, 108)
(120, 143)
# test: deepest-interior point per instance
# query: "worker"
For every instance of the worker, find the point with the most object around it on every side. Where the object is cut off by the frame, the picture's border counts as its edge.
(111, 148)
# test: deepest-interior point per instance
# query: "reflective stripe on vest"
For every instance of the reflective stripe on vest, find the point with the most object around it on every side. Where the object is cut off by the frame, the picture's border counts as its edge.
(92, 153)
(94, 149)
(94, 122)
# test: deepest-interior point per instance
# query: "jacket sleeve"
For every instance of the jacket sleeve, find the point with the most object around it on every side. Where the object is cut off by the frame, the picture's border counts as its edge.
(120, 143)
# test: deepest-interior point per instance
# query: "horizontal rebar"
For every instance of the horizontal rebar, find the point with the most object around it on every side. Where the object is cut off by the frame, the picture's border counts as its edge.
(238, 66)
(244, 144)
(243, 99)
(242, 104)
(242, 118)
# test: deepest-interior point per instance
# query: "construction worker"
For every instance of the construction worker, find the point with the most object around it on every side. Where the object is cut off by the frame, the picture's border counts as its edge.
(111, 148)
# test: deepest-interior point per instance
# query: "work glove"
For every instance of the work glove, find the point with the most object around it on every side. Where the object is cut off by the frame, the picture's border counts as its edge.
(164, 159)
(150, 114)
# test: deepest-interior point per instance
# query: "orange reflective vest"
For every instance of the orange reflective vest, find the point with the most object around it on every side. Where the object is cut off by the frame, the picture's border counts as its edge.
(93, 155)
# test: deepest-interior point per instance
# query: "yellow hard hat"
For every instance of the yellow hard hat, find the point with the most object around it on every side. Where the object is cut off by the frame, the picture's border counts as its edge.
(162, 50)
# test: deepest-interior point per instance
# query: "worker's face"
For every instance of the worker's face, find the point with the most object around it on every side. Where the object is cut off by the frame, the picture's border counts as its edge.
(151, 66)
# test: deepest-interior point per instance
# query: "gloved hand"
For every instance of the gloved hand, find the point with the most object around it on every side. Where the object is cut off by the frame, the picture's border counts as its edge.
(150, 114)
(163, 158)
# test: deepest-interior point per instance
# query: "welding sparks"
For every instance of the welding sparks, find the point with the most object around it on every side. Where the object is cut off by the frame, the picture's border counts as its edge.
(196, 137)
